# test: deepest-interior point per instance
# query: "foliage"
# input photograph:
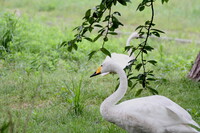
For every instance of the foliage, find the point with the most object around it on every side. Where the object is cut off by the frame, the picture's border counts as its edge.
(7, 33)
(43, 62)
(107, 25)
(72, 96)
(7, 126)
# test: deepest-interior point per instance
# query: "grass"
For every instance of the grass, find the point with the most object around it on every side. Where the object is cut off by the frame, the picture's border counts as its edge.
(32, 98)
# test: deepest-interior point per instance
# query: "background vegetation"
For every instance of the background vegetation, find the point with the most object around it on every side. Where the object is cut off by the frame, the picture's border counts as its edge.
(45, 88)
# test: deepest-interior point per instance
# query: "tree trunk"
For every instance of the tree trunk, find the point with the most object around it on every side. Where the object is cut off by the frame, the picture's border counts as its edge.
(195, 71)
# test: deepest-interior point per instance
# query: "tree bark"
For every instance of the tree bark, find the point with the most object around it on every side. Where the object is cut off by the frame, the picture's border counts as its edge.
(195, 71)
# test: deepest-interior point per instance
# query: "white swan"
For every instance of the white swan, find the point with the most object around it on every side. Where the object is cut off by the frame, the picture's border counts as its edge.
(152, 114)
(121, 59)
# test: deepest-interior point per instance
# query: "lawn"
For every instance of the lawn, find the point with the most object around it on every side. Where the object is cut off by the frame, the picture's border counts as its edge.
(44, 88)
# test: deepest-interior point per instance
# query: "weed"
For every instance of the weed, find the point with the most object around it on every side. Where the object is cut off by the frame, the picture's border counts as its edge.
(7, 126)
(7, 33)
(72, 95)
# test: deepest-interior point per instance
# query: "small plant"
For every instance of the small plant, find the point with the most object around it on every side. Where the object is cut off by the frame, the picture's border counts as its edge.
(194, 112)
(8, 27)
(43, 61)
(72, 95)
(7, 126)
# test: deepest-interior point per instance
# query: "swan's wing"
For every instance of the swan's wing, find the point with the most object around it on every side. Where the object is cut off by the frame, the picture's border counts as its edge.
(154, 112)
(173, 108)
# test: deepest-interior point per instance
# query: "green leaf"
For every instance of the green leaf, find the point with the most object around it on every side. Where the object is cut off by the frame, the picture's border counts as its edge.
(144, 83)
(144, 51)
(87, 13)
(89, 39)
(141, 77)
(91, 54)
(138, 66)
(69, 48)
(101, 31)
(151, 79)
(147, 22)
(133, 50)
(106, 18)
(115, 2)
(130, 83)
(84, 23)
(83, 31)
(148, 48)
(116, 87)
(134, 77)
(98, 25)
(112, 33)
(127, 48)
(141, 8)
(151, 74)
(130, 74)
(140, 27)
(158, 30)
(141, 33)
(128, 1)
(97, 37)
(95, 15)
(90, 28)
(133, 85)
(64, 43)
(123, 2)
(105, 38)
(102, 6)
(164, 1)
(117, 13)
(139, 92)
(153, 62)
(75, 46)
(153, 91)
(115, 24)
(156, 33)
(91, 20)
(109, 3)
(76, 28)
(70, 45)
(105, 51)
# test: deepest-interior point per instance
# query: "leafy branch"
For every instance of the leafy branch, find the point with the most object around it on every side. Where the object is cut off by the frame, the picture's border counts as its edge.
(94, 19)
(146, 76)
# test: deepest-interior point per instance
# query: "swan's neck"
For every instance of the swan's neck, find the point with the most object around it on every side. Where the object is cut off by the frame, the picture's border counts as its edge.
(112, 100)
(132, 36)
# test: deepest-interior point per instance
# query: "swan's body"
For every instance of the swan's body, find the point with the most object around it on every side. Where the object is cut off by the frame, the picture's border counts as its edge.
(123, 60)
(152, 114)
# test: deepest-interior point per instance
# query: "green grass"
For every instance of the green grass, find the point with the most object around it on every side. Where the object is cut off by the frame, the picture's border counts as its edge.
(32, 77)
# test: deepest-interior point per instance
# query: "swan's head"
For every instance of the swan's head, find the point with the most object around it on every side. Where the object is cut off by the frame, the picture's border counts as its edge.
(106, 68)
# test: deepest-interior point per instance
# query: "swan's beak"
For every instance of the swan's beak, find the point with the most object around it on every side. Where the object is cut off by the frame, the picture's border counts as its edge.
(98, 71)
